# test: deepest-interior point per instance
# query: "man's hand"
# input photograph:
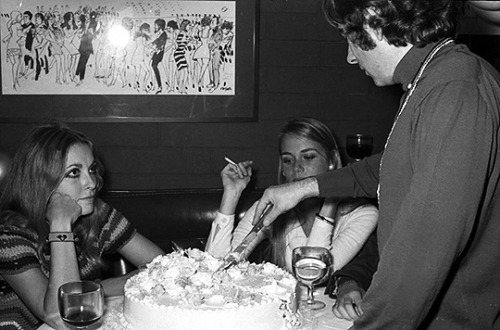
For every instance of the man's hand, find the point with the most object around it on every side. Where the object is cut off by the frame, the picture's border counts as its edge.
(284, 197)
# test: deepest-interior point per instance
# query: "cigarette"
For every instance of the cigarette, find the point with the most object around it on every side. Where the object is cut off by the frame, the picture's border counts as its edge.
(230, 161)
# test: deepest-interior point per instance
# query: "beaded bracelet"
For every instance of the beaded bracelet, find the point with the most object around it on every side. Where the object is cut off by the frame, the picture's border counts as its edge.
(325, 219)
(61, 236)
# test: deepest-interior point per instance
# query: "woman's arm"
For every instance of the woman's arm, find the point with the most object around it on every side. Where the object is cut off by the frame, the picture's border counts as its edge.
(8, 36)
(351, 232)
(38, 292)
(352, 281)
(324, 222)
(235, 178)
(221, 235)
(244, 227)
(139, 251)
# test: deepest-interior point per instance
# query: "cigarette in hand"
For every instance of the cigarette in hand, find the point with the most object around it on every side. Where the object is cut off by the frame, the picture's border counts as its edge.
(230, 161)
(238, 169)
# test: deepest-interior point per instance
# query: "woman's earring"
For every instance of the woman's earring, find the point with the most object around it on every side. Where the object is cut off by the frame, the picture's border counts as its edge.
(331, 167)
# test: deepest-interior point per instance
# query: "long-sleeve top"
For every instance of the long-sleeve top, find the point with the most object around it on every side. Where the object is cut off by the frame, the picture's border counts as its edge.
(439, 199)
(360, 269)
(345, 240)
(18, 253)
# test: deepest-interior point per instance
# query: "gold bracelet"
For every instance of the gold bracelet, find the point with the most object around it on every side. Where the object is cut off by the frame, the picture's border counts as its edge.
(325, 219)
(61, 236)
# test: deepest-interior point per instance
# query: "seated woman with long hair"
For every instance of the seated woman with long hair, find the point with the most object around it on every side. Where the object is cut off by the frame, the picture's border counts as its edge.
(54, 229)
(307, 147)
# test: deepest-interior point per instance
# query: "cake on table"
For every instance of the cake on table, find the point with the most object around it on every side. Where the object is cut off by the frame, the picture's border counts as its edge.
(183, 291)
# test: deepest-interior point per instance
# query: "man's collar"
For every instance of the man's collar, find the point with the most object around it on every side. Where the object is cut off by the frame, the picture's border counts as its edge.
(408, 67)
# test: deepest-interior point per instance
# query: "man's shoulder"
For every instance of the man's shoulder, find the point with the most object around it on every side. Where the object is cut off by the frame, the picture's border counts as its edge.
(458, 63)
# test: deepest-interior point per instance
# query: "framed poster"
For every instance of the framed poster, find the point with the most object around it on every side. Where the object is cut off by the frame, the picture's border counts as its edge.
(140, 60)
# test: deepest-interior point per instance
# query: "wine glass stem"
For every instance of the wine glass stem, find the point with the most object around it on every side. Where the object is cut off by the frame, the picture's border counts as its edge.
(310, 294)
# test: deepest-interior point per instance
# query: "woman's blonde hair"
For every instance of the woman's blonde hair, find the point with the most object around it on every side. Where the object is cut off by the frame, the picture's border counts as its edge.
(313, 130)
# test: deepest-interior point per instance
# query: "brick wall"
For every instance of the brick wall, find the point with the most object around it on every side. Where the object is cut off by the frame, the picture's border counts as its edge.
(302, 71)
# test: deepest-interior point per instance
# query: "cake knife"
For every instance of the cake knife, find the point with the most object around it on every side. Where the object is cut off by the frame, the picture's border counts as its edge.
(241, 252)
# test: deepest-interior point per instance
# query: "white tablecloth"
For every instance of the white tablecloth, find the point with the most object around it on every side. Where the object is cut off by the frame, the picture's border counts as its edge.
(322, 319)
(317, 320)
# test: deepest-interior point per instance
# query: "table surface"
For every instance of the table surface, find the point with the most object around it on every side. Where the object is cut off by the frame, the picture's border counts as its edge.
(318, 320)
(323, 319)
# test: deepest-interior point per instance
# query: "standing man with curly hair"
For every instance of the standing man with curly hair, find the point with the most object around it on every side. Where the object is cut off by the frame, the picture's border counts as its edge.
(438, 179)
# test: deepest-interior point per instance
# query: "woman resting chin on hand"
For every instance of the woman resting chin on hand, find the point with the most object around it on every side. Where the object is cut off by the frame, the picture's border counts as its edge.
(54, 229)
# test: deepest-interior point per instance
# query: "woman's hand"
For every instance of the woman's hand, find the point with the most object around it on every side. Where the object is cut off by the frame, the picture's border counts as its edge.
(236, 178)
(348, 304)
(62, 212)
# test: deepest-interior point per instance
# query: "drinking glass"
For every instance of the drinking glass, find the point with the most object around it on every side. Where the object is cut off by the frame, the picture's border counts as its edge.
(359, 146)
(311, 265)
(81, 303)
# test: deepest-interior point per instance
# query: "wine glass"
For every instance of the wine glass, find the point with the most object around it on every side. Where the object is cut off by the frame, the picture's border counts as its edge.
(81, 303)
(359, 146)
(311, 265)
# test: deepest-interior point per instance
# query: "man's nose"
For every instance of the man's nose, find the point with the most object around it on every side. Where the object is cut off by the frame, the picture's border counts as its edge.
(351, 59)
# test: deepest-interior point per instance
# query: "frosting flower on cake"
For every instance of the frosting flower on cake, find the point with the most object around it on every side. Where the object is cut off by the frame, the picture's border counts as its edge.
(189, 278)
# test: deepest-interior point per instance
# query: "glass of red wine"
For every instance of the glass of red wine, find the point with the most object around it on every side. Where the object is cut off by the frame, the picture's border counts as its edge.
(81, 303)
(359, 146)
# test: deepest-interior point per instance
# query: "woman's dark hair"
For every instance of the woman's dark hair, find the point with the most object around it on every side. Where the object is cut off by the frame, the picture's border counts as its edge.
(206, 20)
(173, 24)
(227, 25)
(69, 21)
(93, 22)
(42, 19)
(34, 174)
(184, 24)
(29, 14)
(83, 20)
(418, 22)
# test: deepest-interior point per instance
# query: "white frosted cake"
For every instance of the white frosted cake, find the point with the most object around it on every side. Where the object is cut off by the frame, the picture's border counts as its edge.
(181, 290)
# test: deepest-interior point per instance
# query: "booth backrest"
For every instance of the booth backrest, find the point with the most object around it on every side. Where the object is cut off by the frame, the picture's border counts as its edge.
(171, 218)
